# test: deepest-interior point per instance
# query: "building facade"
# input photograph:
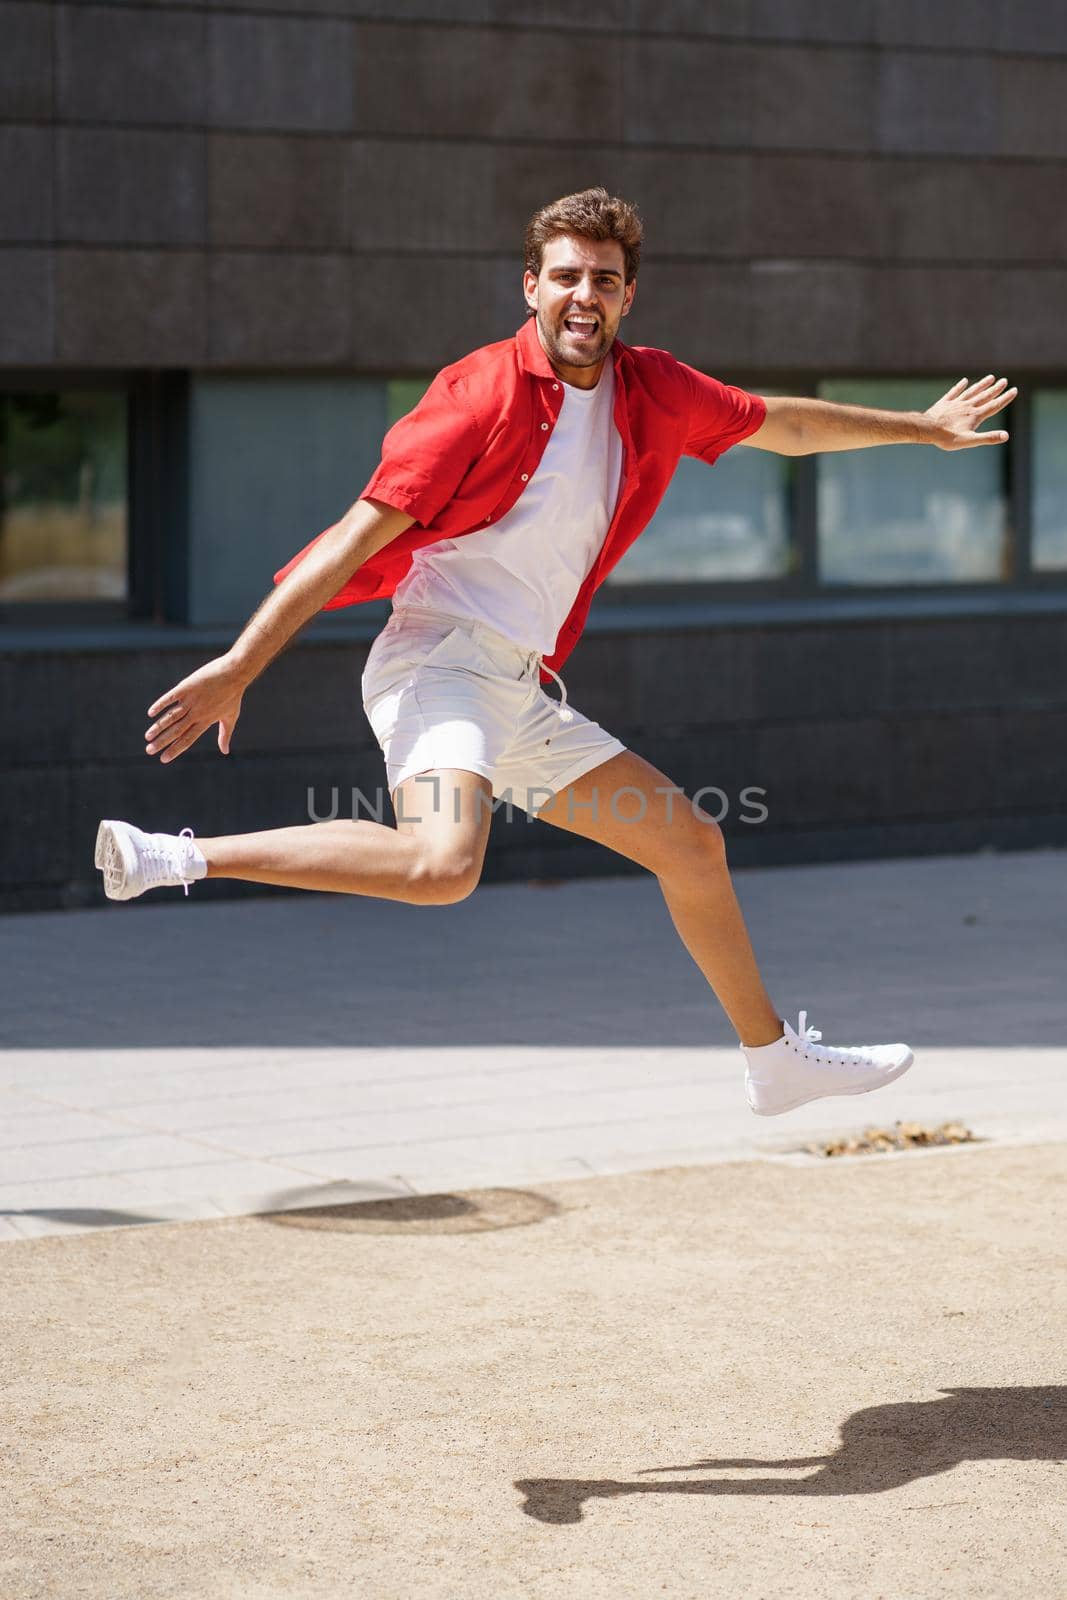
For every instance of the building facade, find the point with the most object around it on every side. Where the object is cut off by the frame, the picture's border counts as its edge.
(237, 240)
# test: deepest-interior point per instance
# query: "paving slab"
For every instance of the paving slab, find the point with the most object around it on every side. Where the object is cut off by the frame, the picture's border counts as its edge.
(172, 1058)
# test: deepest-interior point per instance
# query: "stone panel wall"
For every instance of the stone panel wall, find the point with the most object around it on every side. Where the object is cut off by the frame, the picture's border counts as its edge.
(864, 185)
(867, 738)
(867, 186)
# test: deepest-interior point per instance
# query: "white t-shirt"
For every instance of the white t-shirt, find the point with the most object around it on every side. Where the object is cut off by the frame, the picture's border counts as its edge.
(521, 575)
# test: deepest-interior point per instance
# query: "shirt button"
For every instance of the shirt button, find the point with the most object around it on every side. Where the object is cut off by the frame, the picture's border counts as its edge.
(555, 386)
(526, 477)
(544, 427)
(488, 519)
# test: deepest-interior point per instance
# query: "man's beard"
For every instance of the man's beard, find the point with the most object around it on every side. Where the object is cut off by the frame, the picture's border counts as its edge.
(565, 352)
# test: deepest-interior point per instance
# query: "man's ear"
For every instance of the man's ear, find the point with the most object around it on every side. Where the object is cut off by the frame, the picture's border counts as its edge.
(529, 289)
(628, 298)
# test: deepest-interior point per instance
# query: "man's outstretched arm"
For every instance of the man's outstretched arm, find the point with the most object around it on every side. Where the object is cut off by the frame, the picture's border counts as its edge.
(214, 692)
(800, 426)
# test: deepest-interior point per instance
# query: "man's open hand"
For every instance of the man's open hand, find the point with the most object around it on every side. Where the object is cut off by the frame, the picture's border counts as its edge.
(959, 412)
(211, 694)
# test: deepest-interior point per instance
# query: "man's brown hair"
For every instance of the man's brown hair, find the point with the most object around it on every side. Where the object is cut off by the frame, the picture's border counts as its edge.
(590, 214)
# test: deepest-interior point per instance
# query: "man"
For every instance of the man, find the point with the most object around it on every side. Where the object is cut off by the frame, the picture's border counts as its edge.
(501, 502)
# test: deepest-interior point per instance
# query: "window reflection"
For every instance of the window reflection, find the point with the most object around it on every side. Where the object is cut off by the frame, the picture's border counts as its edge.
(901, 514)
(63, 512)
(729, 521)
(403, 395)
(1049, 485)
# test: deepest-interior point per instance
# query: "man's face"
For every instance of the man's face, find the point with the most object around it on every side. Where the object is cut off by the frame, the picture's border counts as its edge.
(580, 298)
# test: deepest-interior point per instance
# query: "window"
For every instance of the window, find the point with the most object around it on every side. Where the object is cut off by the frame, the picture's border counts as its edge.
(726, 522)
(403, 395)
(63, 496)
(1049, 480)
(273, 460)
(177, 497)
(902, 514)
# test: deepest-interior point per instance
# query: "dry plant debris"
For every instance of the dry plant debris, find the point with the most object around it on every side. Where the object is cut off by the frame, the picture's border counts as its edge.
(902, 1136)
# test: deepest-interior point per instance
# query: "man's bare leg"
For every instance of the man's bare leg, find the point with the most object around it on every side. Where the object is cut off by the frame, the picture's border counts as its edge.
(689, 859)
(433, 857)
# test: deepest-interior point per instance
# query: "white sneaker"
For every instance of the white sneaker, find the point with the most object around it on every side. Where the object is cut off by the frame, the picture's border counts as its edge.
(796, 1068)
(133, 861)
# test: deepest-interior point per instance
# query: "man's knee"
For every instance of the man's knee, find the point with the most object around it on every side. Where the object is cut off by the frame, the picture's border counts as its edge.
(706, 839)
(445, 880)
(695, 845)
(711, 835)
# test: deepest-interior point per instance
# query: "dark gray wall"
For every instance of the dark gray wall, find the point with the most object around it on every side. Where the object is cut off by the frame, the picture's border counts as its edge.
(341, 186)
(828, 184)
(871, 738)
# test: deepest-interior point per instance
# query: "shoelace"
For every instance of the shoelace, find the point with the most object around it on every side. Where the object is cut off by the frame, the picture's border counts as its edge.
(160, 859)
(565, 712)
(808, 1035)
(812, 1035)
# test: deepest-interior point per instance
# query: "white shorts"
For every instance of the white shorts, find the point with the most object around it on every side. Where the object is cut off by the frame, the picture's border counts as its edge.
(443, 691)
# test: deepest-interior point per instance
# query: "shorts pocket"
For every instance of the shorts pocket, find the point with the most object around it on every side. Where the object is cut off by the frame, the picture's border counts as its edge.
(396, 655)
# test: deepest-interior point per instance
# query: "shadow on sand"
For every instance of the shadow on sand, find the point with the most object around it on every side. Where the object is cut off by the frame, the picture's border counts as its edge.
(882, 1448)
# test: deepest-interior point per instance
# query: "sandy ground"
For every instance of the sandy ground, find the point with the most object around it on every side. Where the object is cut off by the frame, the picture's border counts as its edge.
(742, 1380)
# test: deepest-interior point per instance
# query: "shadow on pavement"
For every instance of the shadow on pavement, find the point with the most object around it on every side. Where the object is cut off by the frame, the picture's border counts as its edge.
(483, 1211)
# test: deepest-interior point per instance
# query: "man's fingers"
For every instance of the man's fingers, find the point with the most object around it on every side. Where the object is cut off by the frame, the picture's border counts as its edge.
(991, 407)
(226, 727)
(984, 388)
(964, 441)
(165, 731)
(166, 700)
(951, 394)
(167, 720)
(164, 740)
(174, 740)
(180, 746)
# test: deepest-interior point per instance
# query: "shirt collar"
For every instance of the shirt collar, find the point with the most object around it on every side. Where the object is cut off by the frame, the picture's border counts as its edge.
(532, 357)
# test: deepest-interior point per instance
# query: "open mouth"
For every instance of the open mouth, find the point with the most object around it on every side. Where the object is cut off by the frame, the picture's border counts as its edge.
(581, 327)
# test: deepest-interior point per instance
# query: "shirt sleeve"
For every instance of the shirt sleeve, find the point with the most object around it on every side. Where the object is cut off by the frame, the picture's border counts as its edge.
(719, 415)
(427, 454)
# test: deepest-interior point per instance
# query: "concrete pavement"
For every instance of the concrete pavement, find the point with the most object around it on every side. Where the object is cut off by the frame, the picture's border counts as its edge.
(177, 1060)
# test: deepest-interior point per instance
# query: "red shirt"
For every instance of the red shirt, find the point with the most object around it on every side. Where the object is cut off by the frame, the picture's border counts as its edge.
(461, 459)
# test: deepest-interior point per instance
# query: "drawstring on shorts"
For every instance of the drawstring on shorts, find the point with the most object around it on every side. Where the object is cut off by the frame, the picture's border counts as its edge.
(536, 663)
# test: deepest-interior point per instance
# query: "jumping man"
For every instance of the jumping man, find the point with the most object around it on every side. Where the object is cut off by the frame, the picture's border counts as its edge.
(502, 501)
